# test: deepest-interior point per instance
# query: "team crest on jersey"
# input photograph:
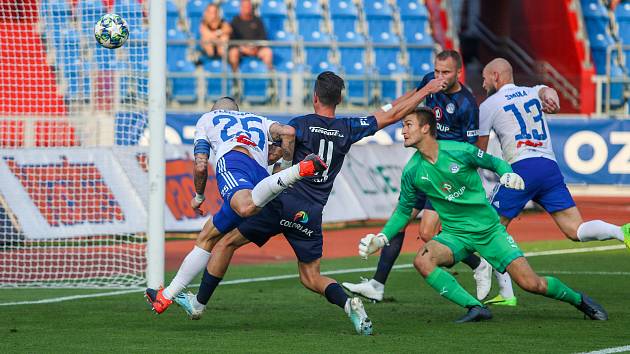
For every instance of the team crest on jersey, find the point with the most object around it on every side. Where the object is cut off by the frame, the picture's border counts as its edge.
(454, 168)
(450, 108)
(438, 113)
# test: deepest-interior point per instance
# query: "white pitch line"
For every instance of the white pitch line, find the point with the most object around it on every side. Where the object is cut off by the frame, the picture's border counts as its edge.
(610, 350)
(332, 272)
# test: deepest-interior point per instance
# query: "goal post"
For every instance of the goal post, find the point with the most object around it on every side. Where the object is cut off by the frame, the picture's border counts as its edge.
(81, 194)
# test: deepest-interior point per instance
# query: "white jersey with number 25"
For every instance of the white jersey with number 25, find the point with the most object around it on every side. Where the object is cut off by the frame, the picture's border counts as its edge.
(515, 114)
(225, 130)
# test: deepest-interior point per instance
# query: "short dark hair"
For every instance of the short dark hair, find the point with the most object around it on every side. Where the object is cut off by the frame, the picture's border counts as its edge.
(328, 87)
(453, 54)
(426, 115)
(225, 103)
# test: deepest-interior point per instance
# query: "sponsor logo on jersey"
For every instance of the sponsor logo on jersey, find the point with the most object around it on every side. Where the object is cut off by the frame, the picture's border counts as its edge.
(454, 168)
(245, 140)
(446, 187)
(450, 108)
(364, 122)
(516, 94)
(472, 133)
(328, 132)
(438, 113)
(443, 128)
(528, 143)
(458, 193)
(297, 226)
(301, 217)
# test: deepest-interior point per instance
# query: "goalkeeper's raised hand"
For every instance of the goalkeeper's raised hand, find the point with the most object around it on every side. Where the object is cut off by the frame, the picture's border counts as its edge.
(513, 181)
(371, 243)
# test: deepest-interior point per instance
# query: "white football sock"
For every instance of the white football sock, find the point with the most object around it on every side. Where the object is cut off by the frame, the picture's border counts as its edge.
(195, 262)
(597, 230)
(271, 186)
(505, 284)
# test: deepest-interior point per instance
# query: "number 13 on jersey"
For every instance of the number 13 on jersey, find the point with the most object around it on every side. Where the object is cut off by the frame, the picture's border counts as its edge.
(532, 108)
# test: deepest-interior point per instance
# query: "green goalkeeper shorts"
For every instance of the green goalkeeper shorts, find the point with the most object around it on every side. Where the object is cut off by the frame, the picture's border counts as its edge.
(495, 245)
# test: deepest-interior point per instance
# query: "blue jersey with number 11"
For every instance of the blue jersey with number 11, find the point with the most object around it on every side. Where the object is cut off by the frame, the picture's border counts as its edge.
(331, 139)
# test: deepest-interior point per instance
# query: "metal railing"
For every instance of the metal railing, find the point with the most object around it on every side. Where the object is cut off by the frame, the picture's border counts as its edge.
(604, 83)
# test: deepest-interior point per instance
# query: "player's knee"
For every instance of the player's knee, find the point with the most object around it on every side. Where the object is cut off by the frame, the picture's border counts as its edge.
(423, 263)
(426, 236)
(245, 210)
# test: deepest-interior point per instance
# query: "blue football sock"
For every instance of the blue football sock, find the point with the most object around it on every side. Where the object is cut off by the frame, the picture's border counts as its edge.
(389, 254)
(208, 283)
(472, 261)
(335, 295)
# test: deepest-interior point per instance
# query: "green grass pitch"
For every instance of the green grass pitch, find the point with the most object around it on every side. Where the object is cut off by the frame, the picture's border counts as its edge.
(282, 316)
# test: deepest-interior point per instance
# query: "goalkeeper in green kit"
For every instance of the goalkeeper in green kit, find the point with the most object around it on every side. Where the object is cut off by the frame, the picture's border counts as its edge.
(447, 172)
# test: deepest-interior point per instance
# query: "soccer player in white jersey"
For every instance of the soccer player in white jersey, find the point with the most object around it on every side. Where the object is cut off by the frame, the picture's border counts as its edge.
(239, 141)
(517, 116)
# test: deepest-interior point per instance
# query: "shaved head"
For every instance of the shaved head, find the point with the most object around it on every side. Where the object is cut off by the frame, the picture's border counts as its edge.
(497, 73)
(226, 104)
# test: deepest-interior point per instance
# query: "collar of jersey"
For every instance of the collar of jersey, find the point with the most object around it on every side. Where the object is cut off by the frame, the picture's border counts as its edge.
(506, 86)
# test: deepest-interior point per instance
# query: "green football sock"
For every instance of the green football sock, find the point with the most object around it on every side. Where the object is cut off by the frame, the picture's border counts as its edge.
(447, 286)
(559, 291)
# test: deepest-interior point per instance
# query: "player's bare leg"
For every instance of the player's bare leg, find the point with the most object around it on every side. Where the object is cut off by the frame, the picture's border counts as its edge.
(193, 264)
(428, 262)
(223, 250)
(574, 228)
(551, 287)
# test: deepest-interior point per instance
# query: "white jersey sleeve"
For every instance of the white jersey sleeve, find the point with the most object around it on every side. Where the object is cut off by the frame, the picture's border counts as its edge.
(515, 114)
(225, 130)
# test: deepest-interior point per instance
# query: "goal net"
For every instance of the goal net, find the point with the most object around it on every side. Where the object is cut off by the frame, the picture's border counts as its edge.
(73, 176)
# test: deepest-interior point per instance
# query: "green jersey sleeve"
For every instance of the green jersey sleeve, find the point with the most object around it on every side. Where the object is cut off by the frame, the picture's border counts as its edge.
(408, 191)
(479, 158)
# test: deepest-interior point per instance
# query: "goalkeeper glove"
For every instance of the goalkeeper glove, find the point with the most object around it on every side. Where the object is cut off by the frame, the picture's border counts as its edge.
(372, 243)
(512, 181)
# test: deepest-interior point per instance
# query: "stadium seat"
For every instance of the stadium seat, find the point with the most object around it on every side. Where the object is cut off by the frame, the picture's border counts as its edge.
(283, 56)
(274, 15)
(254, 90)
(194, 12)
(183, 89)
(616, 89)
(57, 18)
(131, 11)
(308, 8)
(388, 63)
(176, 47)
(379, 20)
(595, 17)
(310, 28)
(230, 9)
(215, 86)
(317, 50)
(352, 61)
(137, 48)
(377, 9)
(343, 8)
(622, 16)
(412, 9)
(172, 15)
(420, 60)
(599, 46)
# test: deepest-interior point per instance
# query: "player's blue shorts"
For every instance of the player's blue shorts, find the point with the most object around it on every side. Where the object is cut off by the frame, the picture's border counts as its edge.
(235, 171)
(544, 184)
(301, 224)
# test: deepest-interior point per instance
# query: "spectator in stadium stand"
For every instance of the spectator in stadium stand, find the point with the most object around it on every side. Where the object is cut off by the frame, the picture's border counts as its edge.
(247, 26)
(215, 32)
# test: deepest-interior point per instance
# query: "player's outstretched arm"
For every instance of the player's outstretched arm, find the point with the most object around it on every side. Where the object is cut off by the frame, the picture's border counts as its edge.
(550, 100)
(285, 134)
(392, 113)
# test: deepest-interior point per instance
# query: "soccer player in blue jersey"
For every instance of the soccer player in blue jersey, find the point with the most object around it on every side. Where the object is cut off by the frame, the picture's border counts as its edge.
(457, 117)
(297, 212)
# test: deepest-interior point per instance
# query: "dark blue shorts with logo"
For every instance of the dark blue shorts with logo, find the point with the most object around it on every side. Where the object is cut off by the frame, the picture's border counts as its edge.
(299, 221)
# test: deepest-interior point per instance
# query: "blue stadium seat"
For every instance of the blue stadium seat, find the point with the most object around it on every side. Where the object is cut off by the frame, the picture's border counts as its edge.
(176, 47)
(379, 20)
(616, 89)
(172, 15)
(230, 9)
(599, 45)
(88, 12)
(344, 28)
(57, 18)
(377, 9)
(183, 89)
(388, 62)
(131, 11)
(343, 8)
(137, 48)
(194, 12)
(412, 9)
(308, 8)
(420, 60)
(352, 60)
(254, 90)
(214, 86)
(310, 27)
(595, 17)
(283, 58)
(274, 15)
(622, 15)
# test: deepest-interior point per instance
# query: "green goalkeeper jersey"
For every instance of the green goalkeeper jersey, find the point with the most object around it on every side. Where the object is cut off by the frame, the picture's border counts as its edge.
(453, 186)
